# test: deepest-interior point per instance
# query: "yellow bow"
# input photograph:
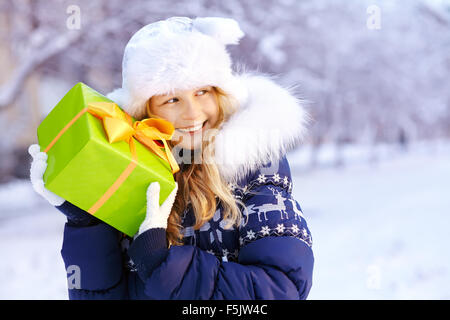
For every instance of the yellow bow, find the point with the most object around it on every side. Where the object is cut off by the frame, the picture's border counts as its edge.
(119, 126)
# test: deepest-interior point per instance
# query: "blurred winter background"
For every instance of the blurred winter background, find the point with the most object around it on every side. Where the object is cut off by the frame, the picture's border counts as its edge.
(373, 176)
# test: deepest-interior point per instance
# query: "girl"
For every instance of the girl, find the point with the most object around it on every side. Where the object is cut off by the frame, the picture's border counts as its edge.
(231, 228)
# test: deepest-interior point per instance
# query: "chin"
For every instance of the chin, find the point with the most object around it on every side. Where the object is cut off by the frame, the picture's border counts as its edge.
(190, 145)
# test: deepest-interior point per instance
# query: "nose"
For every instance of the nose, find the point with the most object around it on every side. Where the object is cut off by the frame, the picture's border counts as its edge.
(192, 110)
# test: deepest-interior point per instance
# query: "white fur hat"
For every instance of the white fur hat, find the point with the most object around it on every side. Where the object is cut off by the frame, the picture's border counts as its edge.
(177, 53)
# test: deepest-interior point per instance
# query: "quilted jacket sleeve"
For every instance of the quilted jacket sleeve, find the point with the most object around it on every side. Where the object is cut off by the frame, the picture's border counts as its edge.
(92, 257)
(275, 260)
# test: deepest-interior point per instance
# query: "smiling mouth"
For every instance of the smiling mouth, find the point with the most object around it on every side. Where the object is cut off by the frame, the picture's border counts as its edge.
(192, 129)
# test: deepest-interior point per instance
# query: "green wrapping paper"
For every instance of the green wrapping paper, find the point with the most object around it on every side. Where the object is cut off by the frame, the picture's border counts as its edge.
(83, 164)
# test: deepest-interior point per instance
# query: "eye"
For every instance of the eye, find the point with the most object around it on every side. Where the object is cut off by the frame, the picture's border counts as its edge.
(173, 100)
(202, 92)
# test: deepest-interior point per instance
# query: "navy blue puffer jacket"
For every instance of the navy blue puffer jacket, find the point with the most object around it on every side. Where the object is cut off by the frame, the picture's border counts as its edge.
(268, 256)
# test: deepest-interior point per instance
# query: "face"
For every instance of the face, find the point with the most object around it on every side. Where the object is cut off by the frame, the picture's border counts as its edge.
(191, 112)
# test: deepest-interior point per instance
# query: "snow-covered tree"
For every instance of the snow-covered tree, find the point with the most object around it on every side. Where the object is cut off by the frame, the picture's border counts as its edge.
(371, 71)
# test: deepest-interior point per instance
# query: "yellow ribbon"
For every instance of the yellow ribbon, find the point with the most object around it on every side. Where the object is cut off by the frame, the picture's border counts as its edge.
(120, 127)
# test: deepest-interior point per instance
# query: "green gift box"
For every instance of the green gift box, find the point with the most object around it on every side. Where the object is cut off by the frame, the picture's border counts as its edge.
(108, 180)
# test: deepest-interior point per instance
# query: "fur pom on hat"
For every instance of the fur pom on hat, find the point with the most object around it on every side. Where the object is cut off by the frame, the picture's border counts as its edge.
(177, 53)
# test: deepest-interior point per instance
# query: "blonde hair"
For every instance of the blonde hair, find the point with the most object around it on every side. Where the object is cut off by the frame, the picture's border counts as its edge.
(200, 185)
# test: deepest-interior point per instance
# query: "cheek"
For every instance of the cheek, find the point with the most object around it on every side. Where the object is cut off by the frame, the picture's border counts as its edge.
(212, 110)
(166, 114)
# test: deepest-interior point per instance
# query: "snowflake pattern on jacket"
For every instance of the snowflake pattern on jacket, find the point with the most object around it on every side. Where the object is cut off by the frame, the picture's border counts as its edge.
(270, 210)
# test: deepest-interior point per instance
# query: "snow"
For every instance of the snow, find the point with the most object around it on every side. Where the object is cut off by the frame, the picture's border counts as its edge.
(31, 266)
(380, 229)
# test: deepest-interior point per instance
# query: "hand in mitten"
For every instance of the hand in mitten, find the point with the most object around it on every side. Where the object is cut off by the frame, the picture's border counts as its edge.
(75, 215)
(37, 170)
(157, 216)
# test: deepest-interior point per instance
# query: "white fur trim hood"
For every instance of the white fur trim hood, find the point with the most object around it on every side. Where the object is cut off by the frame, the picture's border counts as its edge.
(270, 122)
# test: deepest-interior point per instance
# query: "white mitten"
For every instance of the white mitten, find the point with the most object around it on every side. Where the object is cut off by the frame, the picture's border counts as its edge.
(38, 167)
(157, 216)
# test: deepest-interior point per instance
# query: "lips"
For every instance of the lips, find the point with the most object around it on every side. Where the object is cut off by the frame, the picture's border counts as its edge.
(192, 129)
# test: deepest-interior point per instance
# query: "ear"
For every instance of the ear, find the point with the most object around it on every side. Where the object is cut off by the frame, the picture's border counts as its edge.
(224, 30)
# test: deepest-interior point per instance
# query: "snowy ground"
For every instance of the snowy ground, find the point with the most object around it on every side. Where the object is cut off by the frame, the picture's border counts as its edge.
(380, 230)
